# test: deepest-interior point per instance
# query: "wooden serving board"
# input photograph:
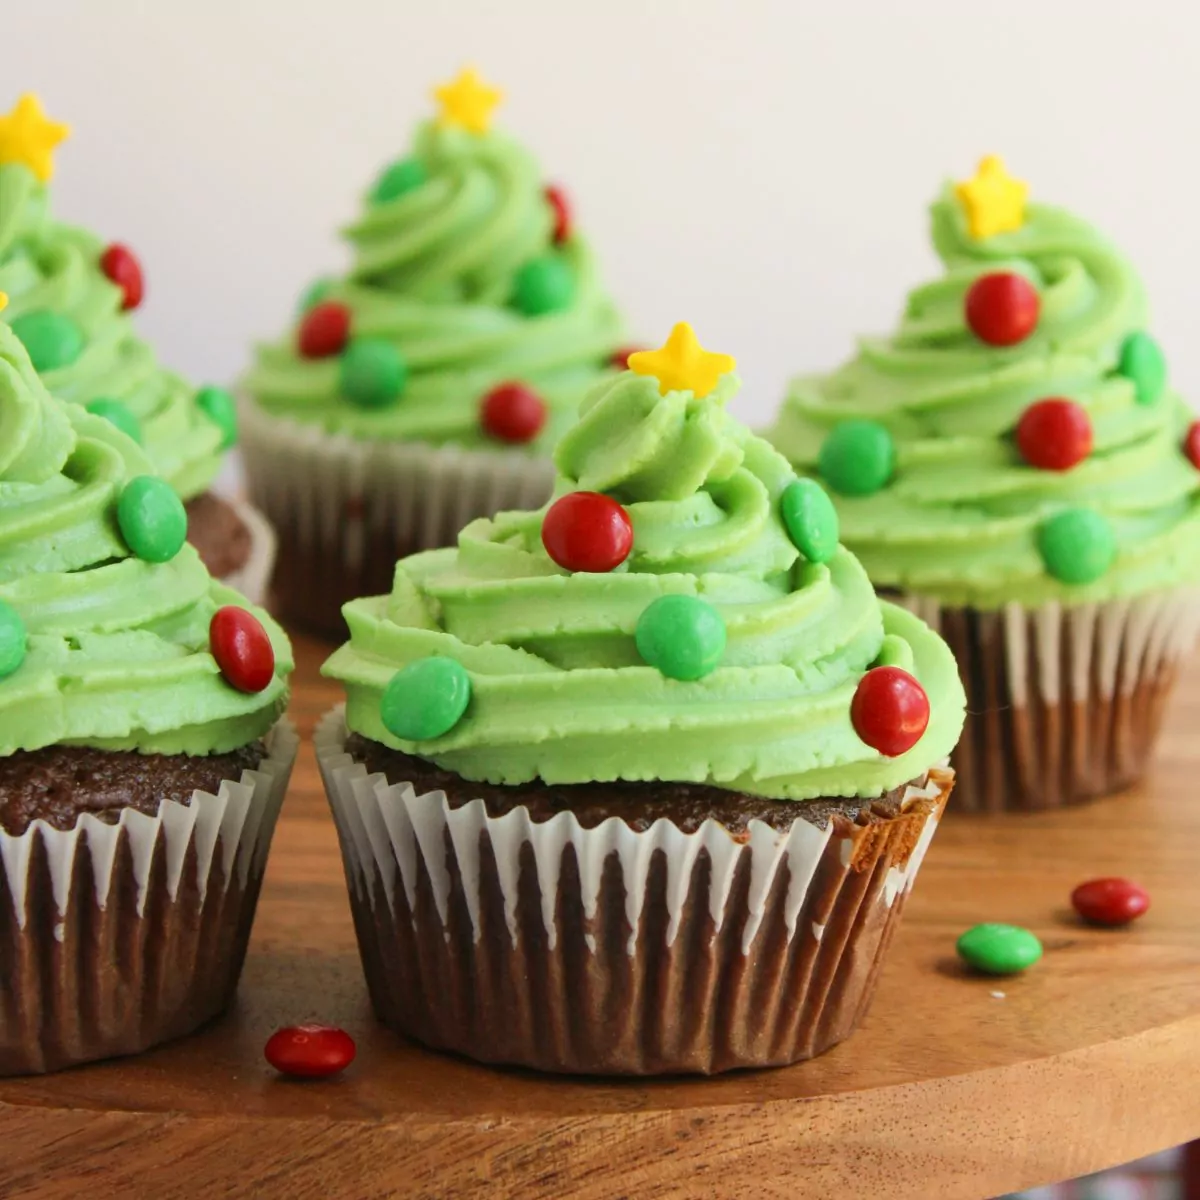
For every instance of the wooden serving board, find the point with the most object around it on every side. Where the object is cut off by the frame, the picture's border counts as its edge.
(956, 1086)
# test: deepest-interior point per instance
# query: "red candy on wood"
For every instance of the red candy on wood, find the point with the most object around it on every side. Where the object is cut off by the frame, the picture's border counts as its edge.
(890, 710)
(1191, 444)
(512, 412)
(1054, 434)
(121, 266)
(563, 224)
(324, 330)
(587, 531)
(242, 649)
(1002, 308)
(1110, 901)
(310, 1051)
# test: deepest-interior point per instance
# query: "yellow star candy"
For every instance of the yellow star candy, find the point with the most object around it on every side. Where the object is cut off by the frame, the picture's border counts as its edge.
(467, 101)
(993, 199)
(28, 136)
(682, 364)
(3, 301)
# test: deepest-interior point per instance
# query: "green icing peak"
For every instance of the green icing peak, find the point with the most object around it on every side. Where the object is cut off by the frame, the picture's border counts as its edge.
(116, 649)
(83, 339)
(964, 516)
(456, 265)
(559, 687)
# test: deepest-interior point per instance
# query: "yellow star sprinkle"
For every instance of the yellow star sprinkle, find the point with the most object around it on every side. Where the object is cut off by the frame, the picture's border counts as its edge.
(994, 200)
(3, 301)
(682, 364)
(467, 101)
(28, 136)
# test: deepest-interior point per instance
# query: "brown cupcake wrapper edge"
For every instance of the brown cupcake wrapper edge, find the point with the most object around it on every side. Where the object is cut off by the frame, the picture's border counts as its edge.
(605, 951)
(115, 937)
(1064, 703)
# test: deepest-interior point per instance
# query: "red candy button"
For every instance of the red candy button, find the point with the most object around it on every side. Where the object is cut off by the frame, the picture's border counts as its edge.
(324, 330)
(512, 412)
(1110, 901)
(890, 710)
(120, 264)
(1002, 308)
(310, 1051)
(242, 649)
(587, 531)
(562, 212)
(620, 357)
(1054, 434)
(1191, 444)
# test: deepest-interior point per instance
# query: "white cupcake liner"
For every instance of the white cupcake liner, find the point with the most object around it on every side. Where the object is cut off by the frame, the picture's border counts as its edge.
(1064, 702)
(345, 509)
(117, 936)
(455, 908)
(253, 577)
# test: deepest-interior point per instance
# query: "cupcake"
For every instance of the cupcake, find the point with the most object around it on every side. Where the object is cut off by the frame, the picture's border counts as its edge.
(638, 783)
(428, 386)
(71, 295)
(1014, 466)
(142, 759)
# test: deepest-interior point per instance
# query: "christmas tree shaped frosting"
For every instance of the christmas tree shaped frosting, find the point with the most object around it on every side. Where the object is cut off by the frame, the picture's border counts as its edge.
(71, 294)
(1017, 438)
(681, 610)
(473, 313)
(112, 634)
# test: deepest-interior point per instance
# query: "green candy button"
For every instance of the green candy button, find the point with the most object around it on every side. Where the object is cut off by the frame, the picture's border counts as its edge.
(218, 406)
(1142, 363)
(1077, 545)
(811, 520)
(426, 699)
(544, 285)
(373, 374)
(13, 639)
(118, 414)
(51, 339)
(682, 636)
(152, 519)
(857, 458)
(404, 175)
(999, 949)
(316, 292)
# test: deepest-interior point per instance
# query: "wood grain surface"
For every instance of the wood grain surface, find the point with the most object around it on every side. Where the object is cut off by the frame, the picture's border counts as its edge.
(956, 1086)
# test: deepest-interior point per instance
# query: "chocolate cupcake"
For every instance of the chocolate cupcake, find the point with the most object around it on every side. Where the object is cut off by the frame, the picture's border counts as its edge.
(71, 296)
(638, 783)
(142, 762)
(429, 386)
(1014, 465)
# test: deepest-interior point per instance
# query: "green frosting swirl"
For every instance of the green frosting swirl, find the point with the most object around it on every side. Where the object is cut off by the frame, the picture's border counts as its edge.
(118, 649)
(435, 274)
(558, 690)
(49, 267)
(961, 517)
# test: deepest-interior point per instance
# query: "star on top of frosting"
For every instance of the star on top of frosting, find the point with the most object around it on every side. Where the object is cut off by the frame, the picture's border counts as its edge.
(467, 101)
(28, 136)
(3, 301)
(994, 201)
(682, 364)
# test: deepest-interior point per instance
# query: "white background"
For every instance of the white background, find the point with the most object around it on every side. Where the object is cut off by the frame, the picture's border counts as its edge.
(761, 169)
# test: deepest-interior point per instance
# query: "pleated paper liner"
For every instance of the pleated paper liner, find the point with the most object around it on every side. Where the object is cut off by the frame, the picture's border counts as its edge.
(606, 951)
(115, 937)
(1064, 704)
(345, 510)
